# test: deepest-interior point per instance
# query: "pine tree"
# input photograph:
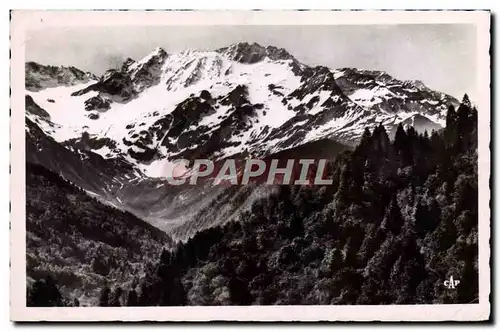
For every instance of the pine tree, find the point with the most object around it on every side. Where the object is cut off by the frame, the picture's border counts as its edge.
(342, 195)
(466, 101)
(166, 259)
(401, 146)
(466, 126)
(400, 139)
(450, 133)
(173, 293)
(411, 271)
(239, 293)
(104, 298)
(426, 216)
(99, 266)
(364, 144)
(44, 293)
(468, 289)
(132, 298)
(115, 297)
(451, 116)
(381, 141)
(393, 221)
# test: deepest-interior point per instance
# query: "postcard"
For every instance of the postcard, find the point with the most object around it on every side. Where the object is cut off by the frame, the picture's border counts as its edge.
(250, 166)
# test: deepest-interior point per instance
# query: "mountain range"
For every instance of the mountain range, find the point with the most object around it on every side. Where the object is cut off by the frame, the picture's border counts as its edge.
(117, 135)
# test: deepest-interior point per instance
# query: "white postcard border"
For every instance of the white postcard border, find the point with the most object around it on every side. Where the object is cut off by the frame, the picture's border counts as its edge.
(23, 21)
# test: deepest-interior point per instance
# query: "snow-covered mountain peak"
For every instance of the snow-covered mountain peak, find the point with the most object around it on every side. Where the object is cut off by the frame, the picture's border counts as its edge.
(126, 64)
(244, 52)
(188, 68)
(147, 72)
(416, 83)
(159, 51)
(157, 56)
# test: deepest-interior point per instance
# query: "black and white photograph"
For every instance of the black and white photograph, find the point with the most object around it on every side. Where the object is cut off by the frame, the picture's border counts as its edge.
(202, 159)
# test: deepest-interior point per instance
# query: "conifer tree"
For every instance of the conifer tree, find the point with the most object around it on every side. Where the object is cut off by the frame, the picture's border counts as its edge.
(400, 139)
(451, 125)
(115, 297)
(44, 293)
(466, 101)
(104, 298)
(393, 220)
(364, 144)
(132, 298)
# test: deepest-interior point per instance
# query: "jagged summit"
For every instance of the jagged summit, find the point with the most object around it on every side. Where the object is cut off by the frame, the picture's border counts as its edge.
(417, 83)
(245, 52)
(126, 64)
(159, 50)
(380, 76)
(158, 55)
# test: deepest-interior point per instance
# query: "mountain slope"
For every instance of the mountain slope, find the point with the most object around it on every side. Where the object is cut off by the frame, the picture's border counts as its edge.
(79, 242)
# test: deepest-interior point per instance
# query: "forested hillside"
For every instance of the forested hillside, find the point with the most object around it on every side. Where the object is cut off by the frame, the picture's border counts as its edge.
(399, 219)
(75, 245)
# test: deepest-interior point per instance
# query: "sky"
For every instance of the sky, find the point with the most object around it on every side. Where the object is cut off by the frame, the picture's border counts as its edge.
(443, 56)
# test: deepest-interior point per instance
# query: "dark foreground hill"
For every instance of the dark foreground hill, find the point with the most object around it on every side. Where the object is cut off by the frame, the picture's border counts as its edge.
(76, 245)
